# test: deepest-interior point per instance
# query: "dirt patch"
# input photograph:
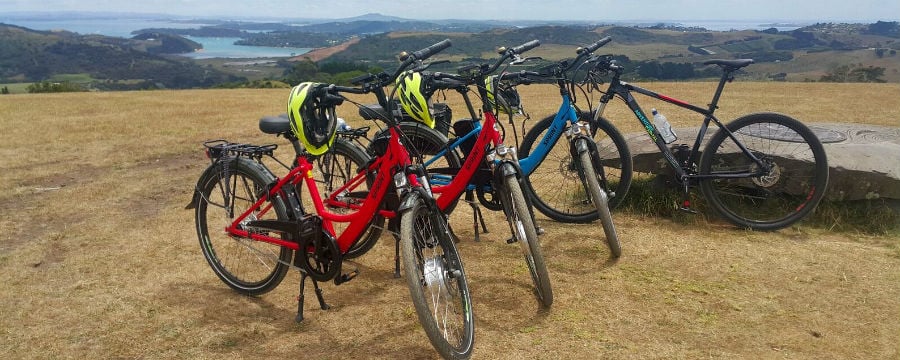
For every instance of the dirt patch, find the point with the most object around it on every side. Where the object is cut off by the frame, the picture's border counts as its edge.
(323, 53)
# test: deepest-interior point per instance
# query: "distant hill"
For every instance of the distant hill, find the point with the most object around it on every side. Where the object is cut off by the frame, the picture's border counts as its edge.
(660, 52)
(805, 54)
(111, 62)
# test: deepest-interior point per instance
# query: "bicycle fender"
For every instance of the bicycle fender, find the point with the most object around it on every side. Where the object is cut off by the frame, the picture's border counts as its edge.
(408, 201)
(577, 147)
(504, 170)
(216, 168)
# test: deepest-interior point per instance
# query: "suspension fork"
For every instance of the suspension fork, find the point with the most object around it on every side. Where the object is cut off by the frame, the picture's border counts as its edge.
(580, 144)
(510, 167)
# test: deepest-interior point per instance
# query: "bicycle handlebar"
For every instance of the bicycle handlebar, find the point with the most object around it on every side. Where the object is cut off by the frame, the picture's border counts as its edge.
(525, 47)
(593, 47)
(431, 50)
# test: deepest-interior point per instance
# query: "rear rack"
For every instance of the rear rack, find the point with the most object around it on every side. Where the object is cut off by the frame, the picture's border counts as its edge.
(215, 149)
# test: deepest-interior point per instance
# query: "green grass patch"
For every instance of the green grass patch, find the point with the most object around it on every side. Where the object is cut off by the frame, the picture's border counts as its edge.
(652, 196)
(16, 88)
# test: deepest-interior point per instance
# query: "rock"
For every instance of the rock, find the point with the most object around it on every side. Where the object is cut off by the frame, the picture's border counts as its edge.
(864, 160)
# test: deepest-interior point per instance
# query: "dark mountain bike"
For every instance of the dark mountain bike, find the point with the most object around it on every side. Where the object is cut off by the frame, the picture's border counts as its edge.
(763, 171)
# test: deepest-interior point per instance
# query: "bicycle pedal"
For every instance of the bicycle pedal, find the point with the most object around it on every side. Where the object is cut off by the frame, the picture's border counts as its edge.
(686, 207)
(539, 230)
(346, 277)
(511, 240)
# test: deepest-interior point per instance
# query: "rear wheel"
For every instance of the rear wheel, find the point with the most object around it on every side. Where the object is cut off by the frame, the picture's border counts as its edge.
(555, 184)
(248, 266)
(601, 202)
(437, 282)
(791, 188)
(523, 231)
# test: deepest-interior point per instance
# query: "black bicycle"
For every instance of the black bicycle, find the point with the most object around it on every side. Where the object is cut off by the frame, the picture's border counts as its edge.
(763, 171)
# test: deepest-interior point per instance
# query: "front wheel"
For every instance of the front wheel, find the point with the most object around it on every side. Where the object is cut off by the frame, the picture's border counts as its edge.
(521, 224)
(601, 201)
(437, 282)
(554, 183)
(794, 165)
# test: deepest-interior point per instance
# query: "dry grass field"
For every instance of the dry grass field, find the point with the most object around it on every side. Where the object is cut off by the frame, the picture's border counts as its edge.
(99, 259)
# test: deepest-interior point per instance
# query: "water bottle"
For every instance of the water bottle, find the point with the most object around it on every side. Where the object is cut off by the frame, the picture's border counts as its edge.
(663, 126)
(342, 125)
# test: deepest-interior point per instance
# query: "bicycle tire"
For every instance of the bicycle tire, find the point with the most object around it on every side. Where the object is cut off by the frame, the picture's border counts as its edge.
(336, 167)
(523, 230)
(561, 197)
(601, 202)
(250, 271)
(790, 191)
(437, 281)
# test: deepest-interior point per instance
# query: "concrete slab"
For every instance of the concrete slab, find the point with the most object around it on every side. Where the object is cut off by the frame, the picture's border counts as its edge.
(864, 160)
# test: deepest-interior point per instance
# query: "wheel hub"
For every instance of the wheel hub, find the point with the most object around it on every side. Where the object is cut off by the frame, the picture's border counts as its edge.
(769, 179)
(436, 275)
(567, 168)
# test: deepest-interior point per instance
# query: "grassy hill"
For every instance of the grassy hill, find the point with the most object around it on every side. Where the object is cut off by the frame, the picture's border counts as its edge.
(802, 55)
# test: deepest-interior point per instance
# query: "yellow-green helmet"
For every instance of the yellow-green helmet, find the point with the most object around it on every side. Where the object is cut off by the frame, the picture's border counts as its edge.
(502, 96)
(312, 121)
(415, 98)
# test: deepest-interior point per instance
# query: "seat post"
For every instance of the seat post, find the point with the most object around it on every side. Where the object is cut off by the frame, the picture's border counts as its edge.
(726, 77)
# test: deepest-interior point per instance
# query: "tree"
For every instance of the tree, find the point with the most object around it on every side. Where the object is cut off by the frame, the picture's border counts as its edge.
(303, 70)
(847, 73)
(4, 91)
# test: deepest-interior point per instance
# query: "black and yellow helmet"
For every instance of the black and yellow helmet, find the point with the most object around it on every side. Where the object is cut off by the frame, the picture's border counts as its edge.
(312, 119)
(502, 96)
(415, 97)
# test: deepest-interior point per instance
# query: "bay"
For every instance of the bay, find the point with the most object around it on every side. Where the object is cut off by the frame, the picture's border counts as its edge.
(213, 47)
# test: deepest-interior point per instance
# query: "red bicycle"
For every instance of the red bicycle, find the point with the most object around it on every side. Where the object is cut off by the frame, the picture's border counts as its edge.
(253, 226)
(488, 160)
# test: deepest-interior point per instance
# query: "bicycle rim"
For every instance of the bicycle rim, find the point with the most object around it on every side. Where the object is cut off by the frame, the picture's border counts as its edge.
(555, 185)
(245, 265)
(437, 282)
(788, 192)
(523, 230)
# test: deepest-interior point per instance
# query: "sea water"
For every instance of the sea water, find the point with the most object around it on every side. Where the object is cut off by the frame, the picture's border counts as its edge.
(213, 47)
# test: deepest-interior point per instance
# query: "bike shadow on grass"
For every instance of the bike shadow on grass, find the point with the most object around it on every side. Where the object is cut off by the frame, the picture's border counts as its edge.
(373, 320)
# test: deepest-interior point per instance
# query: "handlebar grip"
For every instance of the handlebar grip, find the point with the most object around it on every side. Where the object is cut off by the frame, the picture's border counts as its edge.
(431, 50)
(443, 75)
(359, 80)
(525, 47)
(593, 47)
(337, 88)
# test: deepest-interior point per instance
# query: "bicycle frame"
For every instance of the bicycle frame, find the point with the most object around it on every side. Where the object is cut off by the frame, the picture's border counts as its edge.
(565, 114)
(396, 158)
(624, 91)
(445, 189)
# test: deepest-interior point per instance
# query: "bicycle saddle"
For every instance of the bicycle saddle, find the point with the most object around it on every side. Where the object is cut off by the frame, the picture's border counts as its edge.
(275, 124)
(733, 64)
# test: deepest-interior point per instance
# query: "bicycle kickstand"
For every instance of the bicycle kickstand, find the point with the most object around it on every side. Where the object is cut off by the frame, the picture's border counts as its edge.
(476, 216)
(301, 297)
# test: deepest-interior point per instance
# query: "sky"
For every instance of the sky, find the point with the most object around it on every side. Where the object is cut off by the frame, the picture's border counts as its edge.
(591, 10)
